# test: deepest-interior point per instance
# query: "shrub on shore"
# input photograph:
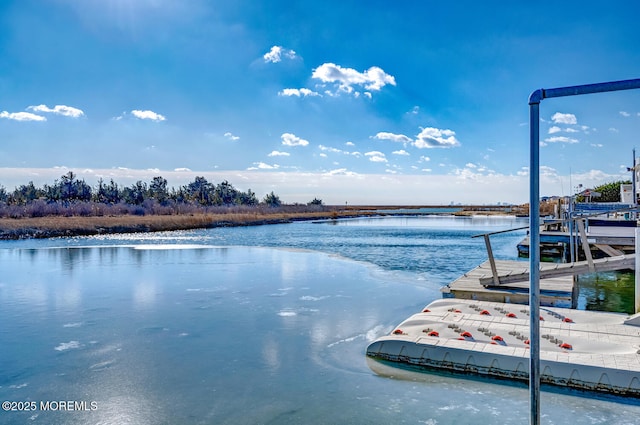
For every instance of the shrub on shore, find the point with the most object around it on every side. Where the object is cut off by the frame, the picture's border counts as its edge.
(72, 197)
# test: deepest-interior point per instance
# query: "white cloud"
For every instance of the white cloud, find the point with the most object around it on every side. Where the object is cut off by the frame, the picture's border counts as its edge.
(148, 115)
(182, 170)
(332, 150)
(376, 156)
(625, 114)
(276, 54)
(436, 138)
(560, 118)
(340, 185)
(278, 153)
(341, 172)
(547, 171)
(302, 92)
(555, 129)
(614, 130)
(560, 139)
(401, 152)
(21, 116)
(289, 139)
(346, 79)
(350, 144)
(426, 159)
(66, 111)
(263, 166)
(231, 136)
(393, 137)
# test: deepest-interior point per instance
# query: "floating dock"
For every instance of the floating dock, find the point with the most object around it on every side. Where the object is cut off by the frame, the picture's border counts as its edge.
(558, 291)
(594, 351)
(508, 281)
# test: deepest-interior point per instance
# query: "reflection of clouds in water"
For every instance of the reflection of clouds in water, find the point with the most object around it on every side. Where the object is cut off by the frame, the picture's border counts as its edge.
(320, 332)
(271, 354)
(69, 296)
(144, 294)
(72, 325)
(368, 336)
(18, 386)
(34, 293)
(102, 350)
(290, 312)
(290, 270)
(102, 365)
(281, 292)
(64, 346)
(311, 298)
(119, 384)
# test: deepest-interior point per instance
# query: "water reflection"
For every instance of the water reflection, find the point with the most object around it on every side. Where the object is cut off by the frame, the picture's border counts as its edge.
(611, 291)
(144, 294)
(190, 334)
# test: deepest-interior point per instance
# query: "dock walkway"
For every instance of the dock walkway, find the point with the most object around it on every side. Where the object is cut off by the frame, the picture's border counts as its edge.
(555, 291)
(512, 271)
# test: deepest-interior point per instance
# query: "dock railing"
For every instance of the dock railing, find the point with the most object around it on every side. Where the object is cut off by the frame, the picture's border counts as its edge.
(487, 243)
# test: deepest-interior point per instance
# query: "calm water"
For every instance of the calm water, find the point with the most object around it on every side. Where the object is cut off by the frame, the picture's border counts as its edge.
(251, 325)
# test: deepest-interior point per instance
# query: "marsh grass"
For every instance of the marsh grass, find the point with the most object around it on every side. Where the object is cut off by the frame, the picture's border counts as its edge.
(81, 225)
(43, 221)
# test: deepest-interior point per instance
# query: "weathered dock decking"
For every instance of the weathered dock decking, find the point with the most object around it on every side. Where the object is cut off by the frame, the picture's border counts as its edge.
(554, 291)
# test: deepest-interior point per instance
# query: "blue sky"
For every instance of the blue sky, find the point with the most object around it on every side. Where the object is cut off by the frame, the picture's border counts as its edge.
(378, 102)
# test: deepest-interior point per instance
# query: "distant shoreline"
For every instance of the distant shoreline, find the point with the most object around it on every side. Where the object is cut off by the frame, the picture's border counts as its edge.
(60, 226)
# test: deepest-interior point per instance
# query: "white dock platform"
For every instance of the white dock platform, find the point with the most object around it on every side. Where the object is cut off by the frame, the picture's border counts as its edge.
(594, 351)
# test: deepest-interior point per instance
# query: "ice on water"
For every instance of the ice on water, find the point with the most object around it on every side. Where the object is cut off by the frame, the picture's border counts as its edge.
(196, 335)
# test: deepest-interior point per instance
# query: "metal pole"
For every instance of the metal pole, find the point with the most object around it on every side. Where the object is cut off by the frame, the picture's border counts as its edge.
(571, 241)
(590, 88)
(534, 259)
(492, 261)
(633, 184)
(637, 272)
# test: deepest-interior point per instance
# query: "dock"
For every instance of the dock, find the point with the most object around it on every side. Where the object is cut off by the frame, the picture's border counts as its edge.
(601, 240)
(592, 351)
(481, 327)
(508, 281)
(556, 291)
